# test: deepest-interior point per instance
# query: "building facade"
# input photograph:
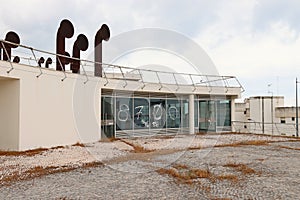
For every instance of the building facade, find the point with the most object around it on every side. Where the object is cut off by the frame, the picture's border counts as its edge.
(265, 115)
(44, 106)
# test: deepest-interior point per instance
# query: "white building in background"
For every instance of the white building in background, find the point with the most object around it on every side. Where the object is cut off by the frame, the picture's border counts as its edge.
(286, 115)
(265, 115)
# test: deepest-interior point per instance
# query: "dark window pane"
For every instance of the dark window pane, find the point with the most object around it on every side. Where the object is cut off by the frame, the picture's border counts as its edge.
(141, 113)
(207, 115)
(196, 110)
(124, 113)
(107, 117)
(224, 113)
(157, 113)
(173, 113)
(185, 113)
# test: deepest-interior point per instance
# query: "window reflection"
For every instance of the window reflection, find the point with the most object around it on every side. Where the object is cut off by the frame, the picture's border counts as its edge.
(107, 117)
(224, 113)
(185, 113)
(141, 113)
(124, 113)
(173, 113)
(157, 113)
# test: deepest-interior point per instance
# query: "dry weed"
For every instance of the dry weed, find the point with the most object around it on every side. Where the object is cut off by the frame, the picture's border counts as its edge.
(136, 147)
(290, 148)
(39, 171)
(31, 152)
(78, 144)
(241, 167)
(229, 177)
(250, 142)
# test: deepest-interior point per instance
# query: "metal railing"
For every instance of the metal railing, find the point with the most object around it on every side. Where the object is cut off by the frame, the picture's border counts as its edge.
(286, 129)
(30, 56)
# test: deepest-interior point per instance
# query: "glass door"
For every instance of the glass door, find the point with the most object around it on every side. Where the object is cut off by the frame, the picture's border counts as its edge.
(207, 115)
(107, 117)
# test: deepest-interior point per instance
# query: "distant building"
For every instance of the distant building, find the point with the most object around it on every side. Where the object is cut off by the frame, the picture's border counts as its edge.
(286, 114)
(266, 115)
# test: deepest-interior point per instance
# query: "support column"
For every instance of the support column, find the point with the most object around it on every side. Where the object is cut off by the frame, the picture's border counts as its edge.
(191, 114)
(232, 107)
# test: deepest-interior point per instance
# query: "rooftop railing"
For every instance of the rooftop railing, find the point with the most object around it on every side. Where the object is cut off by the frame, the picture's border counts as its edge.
(43, 59)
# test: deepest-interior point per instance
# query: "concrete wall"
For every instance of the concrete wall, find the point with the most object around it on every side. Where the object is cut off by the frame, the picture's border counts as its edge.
(263, 108)
(239, 112)
(53, 112)
(9, 113)
(286, 113)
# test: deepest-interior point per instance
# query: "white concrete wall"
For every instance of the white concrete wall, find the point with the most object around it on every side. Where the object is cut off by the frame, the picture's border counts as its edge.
(255, 114)
(55, 112)
(255, 110)
(239, 111)
(256, 105)
(9, 113)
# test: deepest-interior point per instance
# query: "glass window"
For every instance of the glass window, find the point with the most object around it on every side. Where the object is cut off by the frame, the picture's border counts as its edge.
(196, 121)
(124, 113)
(107, 116)
(207, 115)
(107, 108)
(141, 113)
(157, 113)
(173, 113)
(185, 113)
(224, 113)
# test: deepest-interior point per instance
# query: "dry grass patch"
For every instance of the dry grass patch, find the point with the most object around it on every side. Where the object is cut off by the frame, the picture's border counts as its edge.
(290, 148)
(217, 198)
(137, 148)
(78, 144)
(229, 177)
(184, 174)
(194, 148)
(243, 143)
(180, 166)
(241, 167)
(31, 152)
(39, 171)
(23, 153)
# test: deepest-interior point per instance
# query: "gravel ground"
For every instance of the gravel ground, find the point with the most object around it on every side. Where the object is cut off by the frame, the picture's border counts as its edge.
(242, 170)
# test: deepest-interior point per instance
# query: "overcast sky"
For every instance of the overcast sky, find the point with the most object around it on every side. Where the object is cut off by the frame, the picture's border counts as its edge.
(256, 40)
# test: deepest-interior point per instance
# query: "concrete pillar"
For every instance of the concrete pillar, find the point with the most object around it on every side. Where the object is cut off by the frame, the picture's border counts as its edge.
(191, 114)
(232, 114)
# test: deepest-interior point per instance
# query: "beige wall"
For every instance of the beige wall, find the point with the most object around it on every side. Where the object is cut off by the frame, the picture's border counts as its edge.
(9, 113)
(53, 112)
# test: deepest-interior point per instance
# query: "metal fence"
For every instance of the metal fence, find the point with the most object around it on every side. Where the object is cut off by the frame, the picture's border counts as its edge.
(285, 129)
(38, 58)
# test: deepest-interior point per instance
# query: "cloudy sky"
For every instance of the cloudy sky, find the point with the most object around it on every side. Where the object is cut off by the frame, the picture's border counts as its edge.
(256, 40)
